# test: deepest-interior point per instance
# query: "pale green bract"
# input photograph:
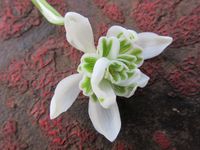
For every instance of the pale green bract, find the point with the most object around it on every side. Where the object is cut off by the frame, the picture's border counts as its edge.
(49, 12)
(109, 70)
(122, 67)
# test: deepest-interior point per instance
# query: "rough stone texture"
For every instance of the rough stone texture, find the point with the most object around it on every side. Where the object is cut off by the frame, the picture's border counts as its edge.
(34, 57)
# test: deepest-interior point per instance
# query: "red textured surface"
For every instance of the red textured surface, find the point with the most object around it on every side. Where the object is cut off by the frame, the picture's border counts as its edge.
(35, 56)
(161, 139)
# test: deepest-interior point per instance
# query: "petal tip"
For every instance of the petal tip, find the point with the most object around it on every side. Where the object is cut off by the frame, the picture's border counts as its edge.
(169, 39)
(71, 14)
(114, 136)
(52, 116)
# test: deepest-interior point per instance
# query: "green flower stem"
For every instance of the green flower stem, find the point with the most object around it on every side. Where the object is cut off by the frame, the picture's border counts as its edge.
(49, 12)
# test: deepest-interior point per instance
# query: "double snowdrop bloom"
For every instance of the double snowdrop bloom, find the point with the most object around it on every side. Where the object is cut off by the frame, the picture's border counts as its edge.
(109, 70)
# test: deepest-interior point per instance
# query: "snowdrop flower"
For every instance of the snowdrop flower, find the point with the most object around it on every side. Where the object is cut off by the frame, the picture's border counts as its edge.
(109, 70)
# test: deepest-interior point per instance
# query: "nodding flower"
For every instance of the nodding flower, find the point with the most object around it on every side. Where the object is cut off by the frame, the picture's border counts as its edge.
(109, 70)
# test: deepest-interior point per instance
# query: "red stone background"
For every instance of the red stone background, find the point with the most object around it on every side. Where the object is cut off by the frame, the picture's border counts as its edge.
(35, 56)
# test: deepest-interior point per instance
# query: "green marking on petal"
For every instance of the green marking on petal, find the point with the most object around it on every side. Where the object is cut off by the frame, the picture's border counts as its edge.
(101, 100)
(117, 71)
(135, 52)
(113, 74)
(107, 45)
(117, 65)
(87, 63)
(123, 75)
(88, 67)
(94, 98)
(125, 46)
(132, 37)
(122, 90)
(130, 74)
(139, 60)
(119, 35)
(90, 59)
(127, 58)
(85, 86)
(131, 67)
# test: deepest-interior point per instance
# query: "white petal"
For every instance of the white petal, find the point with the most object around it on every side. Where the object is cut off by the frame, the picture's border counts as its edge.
(65, 94)
(49, 12)
(102, 88)
(144, 79)
(115, 31)
(105, 121)
(79, 32)
(152, 44)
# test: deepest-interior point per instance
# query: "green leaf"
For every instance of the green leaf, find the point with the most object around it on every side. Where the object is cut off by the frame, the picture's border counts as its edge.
(49, 12)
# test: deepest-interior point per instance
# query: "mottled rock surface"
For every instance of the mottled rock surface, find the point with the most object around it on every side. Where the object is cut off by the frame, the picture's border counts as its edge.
(35, 56)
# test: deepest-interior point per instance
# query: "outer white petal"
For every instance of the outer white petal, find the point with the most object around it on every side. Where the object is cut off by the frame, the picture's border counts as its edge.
(65, 94)
(102, 88)
(79, 32)
(115, 31)
(152, 43)
(105, 121)
(144, 79)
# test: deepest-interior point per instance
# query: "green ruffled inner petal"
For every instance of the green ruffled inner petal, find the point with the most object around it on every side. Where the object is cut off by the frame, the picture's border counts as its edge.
(122, 67)
(86, 87)
(123, 91)
(106, 47)
(87, 64)
(125, 46)
(116, 72)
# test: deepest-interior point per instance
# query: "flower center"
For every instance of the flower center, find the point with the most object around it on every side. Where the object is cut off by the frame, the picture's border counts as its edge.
(123, 64)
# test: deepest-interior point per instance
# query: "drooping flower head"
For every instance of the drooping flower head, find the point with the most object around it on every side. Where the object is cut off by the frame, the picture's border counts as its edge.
(109, 70)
